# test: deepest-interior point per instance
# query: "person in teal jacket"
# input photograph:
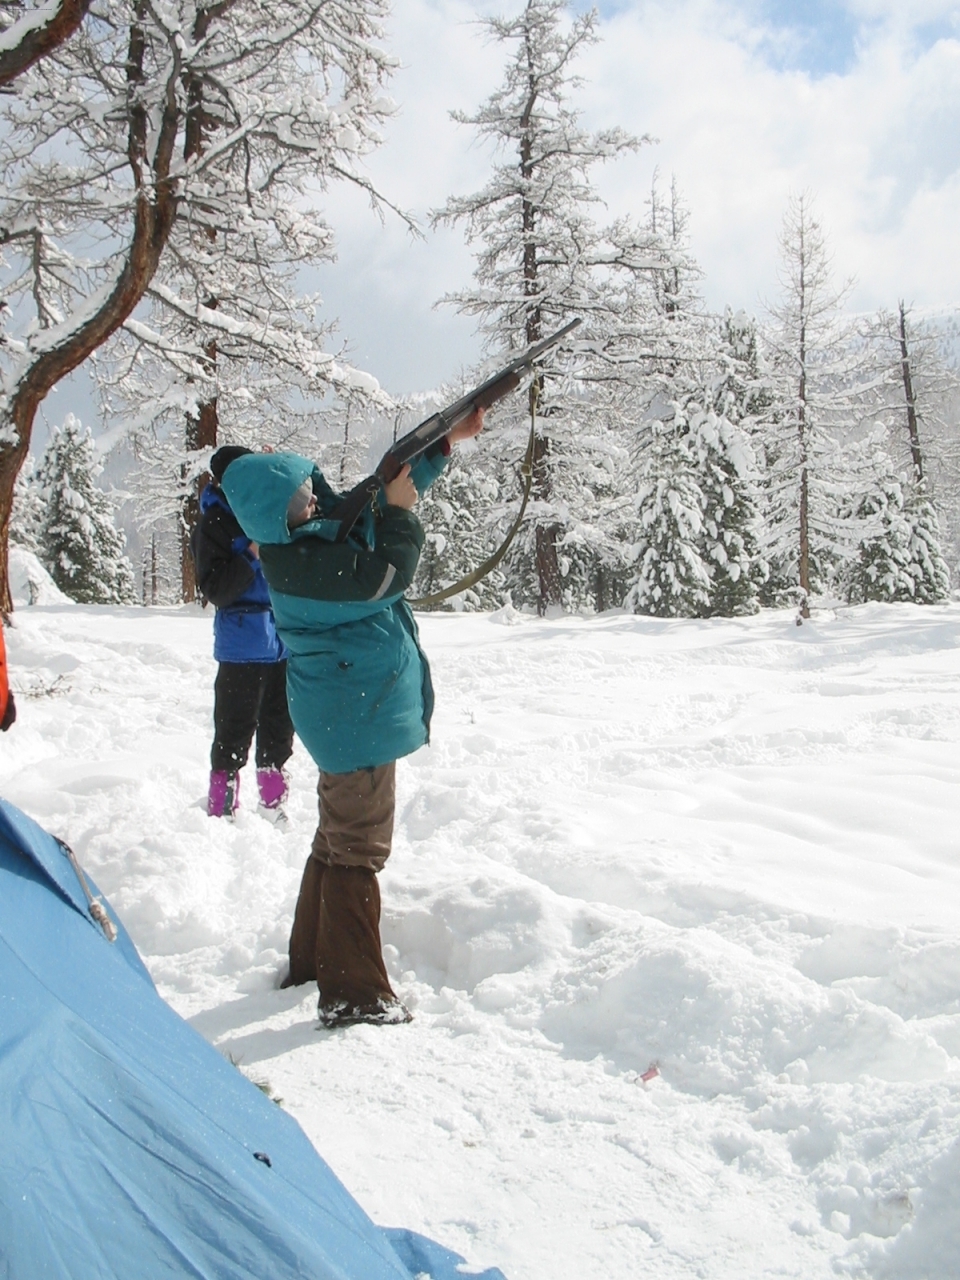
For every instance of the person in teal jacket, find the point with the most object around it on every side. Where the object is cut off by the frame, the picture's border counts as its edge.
(360, 697)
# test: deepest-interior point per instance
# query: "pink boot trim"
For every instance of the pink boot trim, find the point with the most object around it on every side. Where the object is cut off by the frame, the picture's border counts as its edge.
(223, 798)
(272, 786)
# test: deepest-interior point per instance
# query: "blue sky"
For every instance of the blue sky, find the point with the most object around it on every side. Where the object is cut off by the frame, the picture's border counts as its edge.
(817, 36)
(820, 37)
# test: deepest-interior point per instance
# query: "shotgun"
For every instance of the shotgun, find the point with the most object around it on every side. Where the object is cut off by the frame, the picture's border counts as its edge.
(434, 428)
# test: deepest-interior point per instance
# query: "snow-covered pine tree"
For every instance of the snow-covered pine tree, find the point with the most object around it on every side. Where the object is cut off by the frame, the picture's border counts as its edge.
(822, 380)
(927, 565)
(899, 557)
(80, 546)
(731, 522)
(696, 492)
(741, 401)
(455, 513)
(671, 579)
(918, 383)
(540, 260)
(741, 391)
(27, 517)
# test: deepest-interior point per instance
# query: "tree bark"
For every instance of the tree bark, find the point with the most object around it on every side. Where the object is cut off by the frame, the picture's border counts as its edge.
(155, 211)
(804, 549)
(545, 536)
(912, 428)
(201, 428)
(201, 433)
(549, 578)
(37, 42)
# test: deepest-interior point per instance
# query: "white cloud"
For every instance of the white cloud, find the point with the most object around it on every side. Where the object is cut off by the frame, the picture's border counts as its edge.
(879, 146)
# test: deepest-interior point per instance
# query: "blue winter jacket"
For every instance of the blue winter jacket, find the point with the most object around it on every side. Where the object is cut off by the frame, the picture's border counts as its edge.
(232, 580)
(358, 683)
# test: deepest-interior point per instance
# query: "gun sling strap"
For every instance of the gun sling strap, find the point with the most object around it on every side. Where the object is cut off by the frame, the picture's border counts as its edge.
(478, 574)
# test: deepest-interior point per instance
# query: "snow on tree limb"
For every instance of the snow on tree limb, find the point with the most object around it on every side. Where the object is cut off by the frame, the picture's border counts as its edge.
(96, 158)
(35, 35)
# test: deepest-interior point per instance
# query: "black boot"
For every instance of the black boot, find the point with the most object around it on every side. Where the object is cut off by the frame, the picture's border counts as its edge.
(351, 975)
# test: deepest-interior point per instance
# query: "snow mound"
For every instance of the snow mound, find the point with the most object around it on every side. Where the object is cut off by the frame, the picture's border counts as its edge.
(30, 583)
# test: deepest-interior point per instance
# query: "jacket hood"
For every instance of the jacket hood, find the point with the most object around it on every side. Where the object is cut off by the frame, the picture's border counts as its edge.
(259, 487)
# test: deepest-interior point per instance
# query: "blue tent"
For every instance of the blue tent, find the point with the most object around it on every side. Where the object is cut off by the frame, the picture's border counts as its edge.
(128, 1147)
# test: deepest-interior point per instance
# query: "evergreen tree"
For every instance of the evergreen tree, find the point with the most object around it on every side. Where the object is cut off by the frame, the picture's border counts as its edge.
(742, 391)
(540, 260)
(671, 578)
(80, 546)
(899, 557)
(742, 399)
(821, 378)
(729, 542)
(455, 513)
(27, 517)
(697, 491)
(927, 566)
(919, 384)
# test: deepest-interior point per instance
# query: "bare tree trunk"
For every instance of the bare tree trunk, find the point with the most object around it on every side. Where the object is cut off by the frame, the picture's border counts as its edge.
(804, 556)
(346, 445)
(804, 544)
(201, 433)
(201, 428)
(34, 43)
(548, 562)
(10, 463)
(804, 550)
(912, 428)
(549, 578)
(545, 537)
(155, 211)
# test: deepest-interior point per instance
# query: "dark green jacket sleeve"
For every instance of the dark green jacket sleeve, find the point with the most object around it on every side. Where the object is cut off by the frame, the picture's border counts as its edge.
(317, 569)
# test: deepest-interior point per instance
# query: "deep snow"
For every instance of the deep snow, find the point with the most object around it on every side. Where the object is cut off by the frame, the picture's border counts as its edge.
(729, 848)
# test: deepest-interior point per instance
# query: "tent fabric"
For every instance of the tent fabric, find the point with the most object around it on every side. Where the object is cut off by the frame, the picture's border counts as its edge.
(128, 1145)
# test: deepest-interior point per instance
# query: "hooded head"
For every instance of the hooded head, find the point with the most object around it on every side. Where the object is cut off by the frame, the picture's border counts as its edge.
(260, 487)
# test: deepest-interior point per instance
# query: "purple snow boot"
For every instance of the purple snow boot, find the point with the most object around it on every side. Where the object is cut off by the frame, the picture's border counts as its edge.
(272, 786)
(223, 798)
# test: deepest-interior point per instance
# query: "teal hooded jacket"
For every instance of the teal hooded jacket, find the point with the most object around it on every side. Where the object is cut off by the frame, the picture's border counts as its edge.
(358, 682)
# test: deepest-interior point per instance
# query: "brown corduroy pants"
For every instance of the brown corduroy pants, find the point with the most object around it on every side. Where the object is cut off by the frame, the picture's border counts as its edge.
(335, 938)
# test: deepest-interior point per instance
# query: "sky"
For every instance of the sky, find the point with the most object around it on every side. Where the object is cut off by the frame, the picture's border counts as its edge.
(749, 100)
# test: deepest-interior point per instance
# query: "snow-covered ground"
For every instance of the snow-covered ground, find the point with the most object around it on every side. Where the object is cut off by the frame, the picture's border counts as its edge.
(730, 848)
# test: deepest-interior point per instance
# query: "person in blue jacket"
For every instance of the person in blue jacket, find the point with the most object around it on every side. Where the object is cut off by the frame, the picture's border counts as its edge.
(360, 696)
(250, 694)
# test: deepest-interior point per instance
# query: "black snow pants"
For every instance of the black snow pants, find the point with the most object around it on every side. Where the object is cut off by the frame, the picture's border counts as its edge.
(248, 698)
